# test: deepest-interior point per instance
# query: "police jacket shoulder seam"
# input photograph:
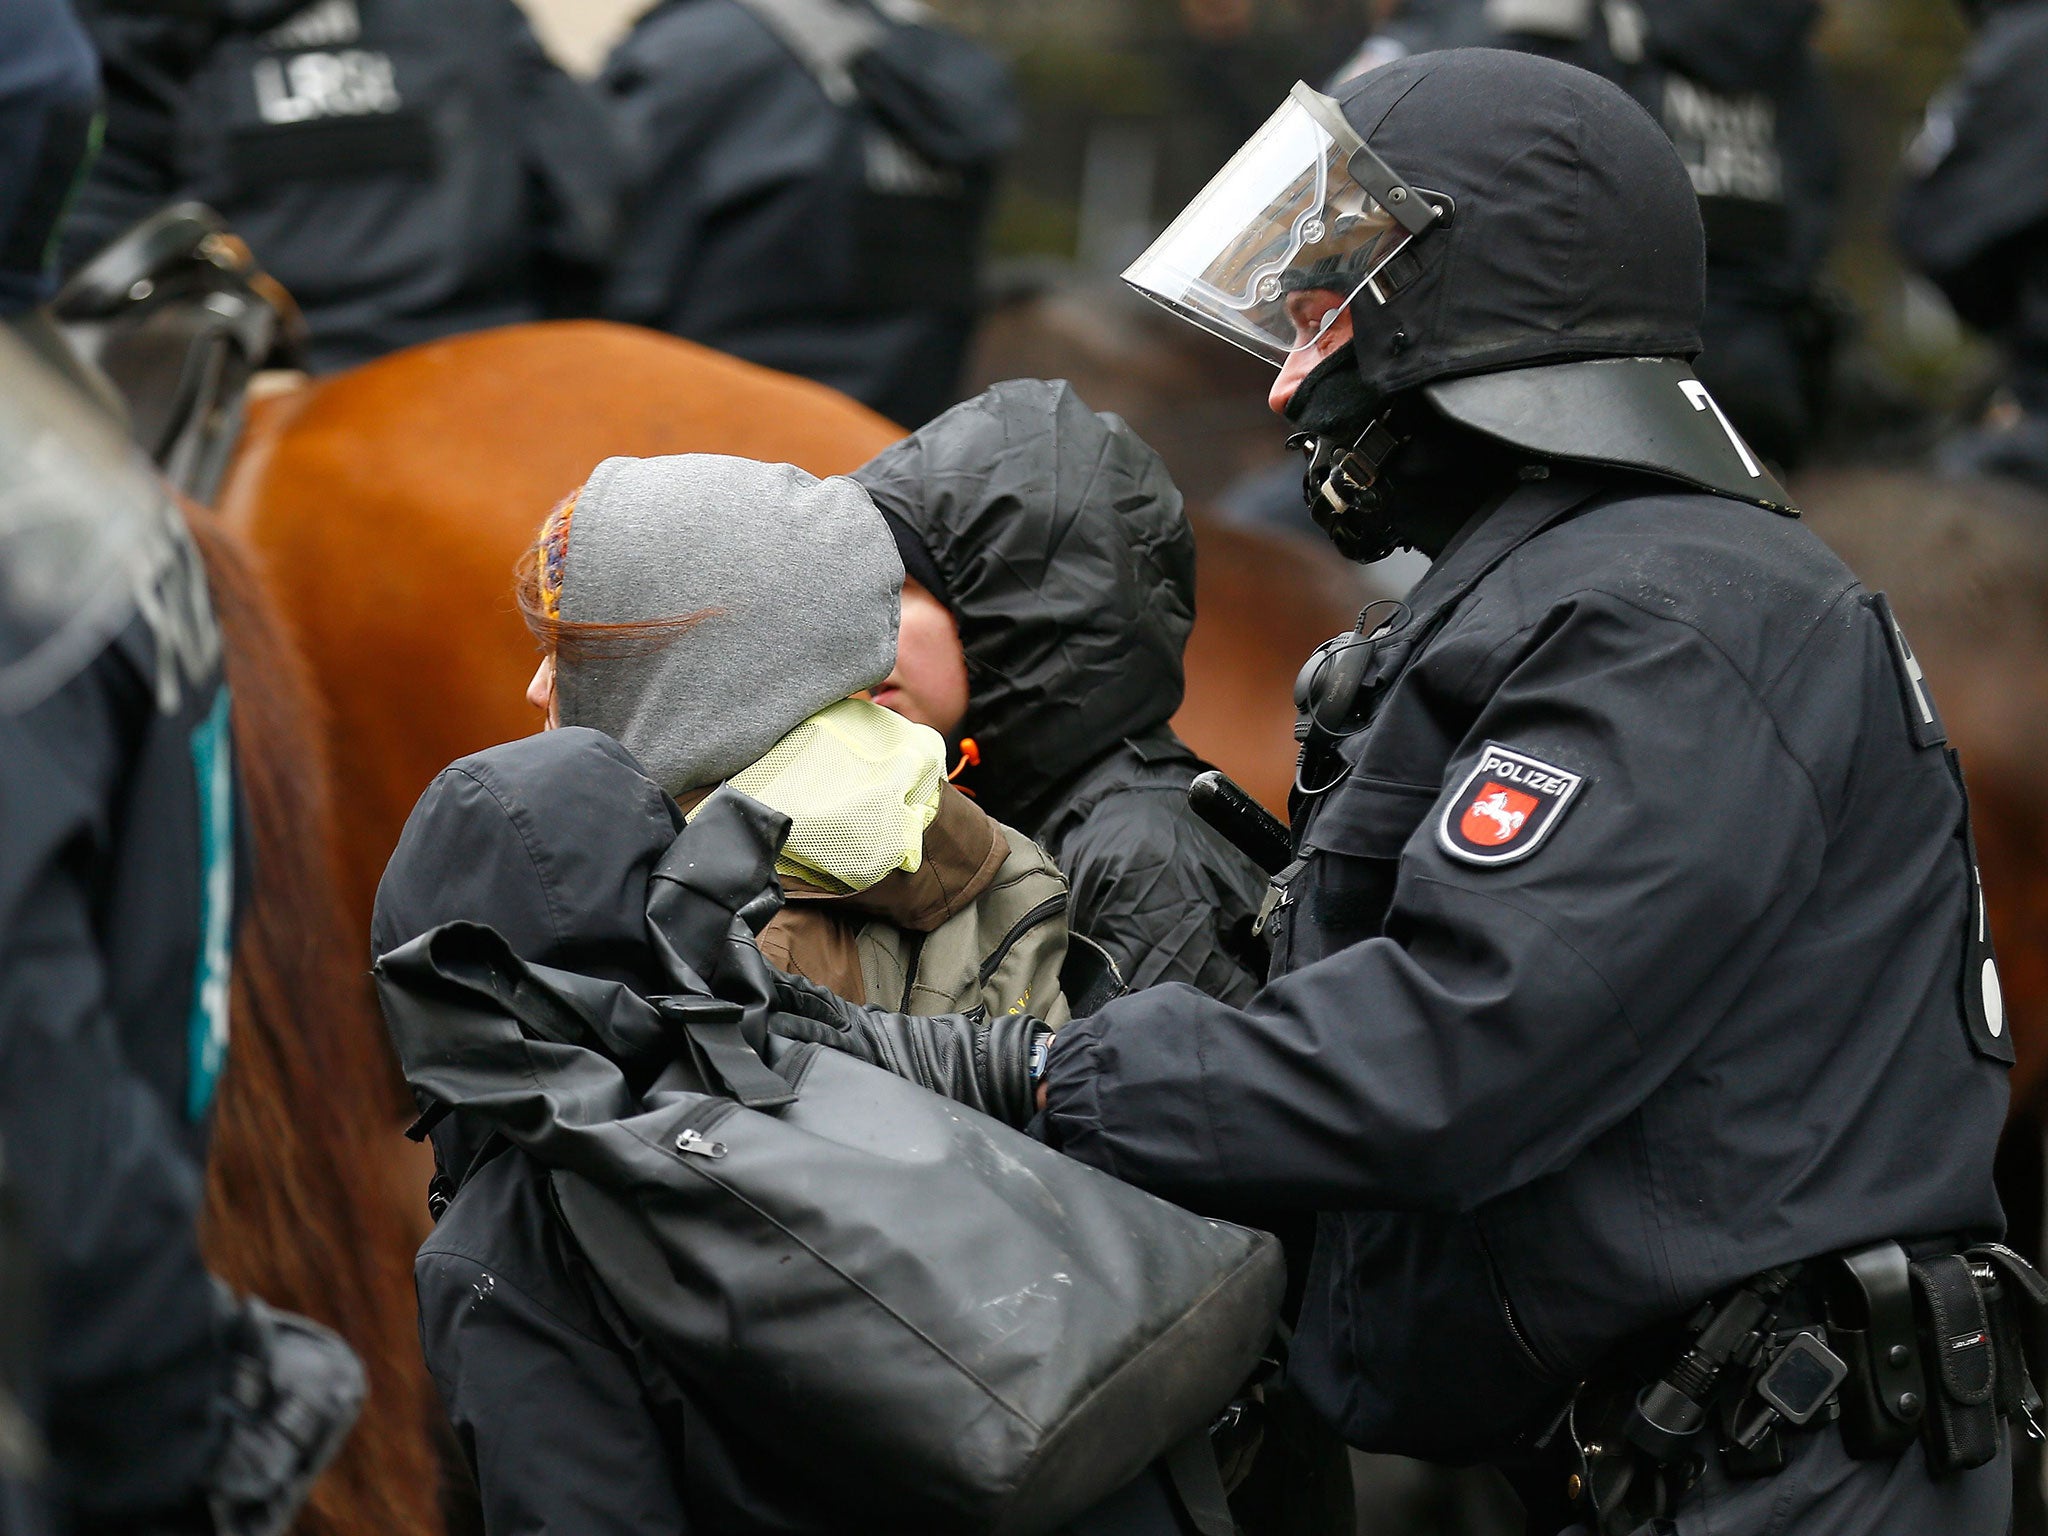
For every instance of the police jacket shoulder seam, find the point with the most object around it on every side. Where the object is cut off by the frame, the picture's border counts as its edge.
(1755, 692)
(432, 1250)
(1536, 917)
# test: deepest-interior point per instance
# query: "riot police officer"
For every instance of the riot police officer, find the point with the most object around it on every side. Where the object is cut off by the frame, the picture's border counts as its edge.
(1737, 88)
(815, 179)
(149, 1399)
(1633, 1030)
(1973, 217)
(408, 169)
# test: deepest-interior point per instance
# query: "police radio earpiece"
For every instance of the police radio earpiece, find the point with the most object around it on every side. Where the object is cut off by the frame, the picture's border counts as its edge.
(1327, 689)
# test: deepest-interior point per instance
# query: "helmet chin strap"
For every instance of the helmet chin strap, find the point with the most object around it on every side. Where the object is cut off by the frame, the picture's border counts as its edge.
(1345, 459)
(1369, 495)
(1343, 486)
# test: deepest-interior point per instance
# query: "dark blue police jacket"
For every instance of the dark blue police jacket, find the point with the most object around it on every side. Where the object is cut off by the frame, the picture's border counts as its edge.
(1635, 949)
(409, 169)
(825, 239)
(118, 881)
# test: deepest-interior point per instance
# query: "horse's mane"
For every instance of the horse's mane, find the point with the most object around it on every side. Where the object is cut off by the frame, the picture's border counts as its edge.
(300, 1206)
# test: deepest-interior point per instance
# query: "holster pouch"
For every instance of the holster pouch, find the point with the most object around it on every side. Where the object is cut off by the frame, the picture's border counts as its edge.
(2016, 1294)
(1960, 1429)
(1871, 1324)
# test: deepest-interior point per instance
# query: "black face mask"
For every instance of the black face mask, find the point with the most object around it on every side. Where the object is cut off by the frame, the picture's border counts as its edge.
(1388, 475)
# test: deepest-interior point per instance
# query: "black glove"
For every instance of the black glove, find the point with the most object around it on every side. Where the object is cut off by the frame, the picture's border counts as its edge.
(981, 1062)
(293, 1393)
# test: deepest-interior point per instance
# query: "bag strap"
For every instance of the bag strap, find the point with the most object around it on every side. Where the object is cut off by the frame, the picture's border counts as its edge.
(713, 1028)
(826, 36)
(1197, 1482)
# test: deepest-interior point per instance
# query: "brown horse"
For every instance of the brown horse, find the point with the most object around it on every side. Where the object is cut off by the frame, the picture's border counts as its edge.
(297, 1210)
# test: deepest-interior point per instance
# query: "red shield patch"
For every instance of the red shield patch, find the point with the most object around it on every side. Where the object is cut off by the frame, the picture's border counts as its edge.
(1506, 806)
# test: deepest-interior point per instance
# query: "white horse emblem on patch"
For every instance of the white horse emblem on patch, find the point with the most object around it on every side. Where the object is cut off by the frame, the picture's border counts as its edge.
(1494, 808)
(1505, 806)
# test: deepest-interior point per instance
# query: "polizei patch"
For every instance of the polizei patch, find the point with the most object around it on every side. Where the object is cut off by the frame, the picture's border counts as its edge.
(1505, 807)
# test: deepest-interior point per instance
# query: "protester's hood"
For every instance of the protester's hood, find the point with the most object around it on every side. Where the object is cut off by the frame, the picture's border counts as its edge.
(1069, 567)
(797, 581)
(549, 840)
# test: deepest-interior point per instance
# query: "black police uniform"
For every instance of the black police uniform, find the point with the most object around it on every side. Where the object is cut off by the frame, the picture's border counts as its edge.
(1634, 952)
(1973, 216)
(1634, 944)
(117, 888)
(1627, 957)
(136, 1392)
(408, 169)
(819, 214)
(1738, 90)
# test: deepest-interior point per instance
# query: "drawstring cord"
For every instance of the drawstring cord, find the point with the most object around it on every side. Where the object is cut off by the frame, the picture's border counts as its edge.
(970, 757)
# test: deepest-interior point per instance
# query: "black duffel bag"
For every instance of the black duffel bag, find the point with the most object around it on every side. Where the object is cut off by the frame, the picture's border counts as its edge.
(949, 1325)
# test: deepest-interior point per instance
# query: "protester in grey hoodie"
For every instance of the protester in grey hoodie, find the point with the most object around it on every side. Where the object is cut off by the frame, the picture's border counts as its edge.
(713, 614)
(569, 1425)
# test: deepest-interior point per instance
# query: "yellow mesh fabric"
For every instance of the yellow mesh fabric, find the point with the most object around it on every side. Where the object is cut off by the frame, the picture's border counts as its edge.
(859, 786)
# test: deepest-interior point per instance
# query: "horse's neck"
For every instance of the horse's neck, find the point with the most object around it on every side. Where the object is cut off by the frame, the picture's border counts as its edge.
(274, 401)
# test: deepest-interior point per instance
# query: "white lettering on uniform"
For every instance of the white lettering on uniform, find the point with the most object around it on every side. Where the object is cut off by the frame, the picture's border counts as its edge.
(1729, 143)
(1914, 675)
(354, 82)
(1696, 392)
(1518, 773)
(325, 24)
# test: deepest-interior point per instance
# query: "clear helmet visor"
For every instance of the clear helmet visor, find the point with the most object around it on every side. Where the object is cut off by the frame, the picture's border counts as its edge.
(1256, 255)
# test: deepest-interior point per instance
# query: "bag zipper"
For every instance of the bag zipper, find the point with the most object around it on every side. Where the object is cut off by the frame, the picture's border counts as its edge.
(1050, 908)
(1507, 1312)
(695, 1139)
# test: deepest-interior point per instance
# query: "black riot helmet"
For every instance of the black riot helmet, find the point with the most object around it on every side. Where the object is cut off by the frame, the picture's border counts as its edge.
(1516, 239)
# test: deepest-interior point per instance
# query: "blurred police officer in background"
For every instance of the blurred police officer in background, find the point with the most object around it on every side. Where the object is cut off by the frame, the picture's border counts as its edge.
(408, 169)
(1973, 217)
(1633, 1029)
(149, 1399)
(1735, 85)
(815, 178)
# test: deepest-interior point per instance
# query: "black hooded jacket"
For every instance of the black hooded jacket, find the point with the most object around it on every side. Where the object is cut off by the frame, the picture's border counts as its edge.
(1070, 570)
(567, 1429)
(570, 1425)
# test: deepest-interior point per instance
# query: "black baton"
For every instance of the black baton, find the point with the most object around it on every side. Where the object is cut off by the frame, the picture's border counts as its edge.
(1252, 829)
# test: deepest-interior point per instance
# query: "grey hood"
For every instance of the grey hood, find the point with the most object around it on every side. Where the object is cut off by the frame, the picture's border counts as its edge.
(798, 581)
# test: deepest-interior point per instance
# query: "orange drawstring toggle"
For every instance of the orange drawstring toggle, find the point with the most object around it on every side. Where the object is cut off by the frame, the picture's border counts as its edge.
(970, 757)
